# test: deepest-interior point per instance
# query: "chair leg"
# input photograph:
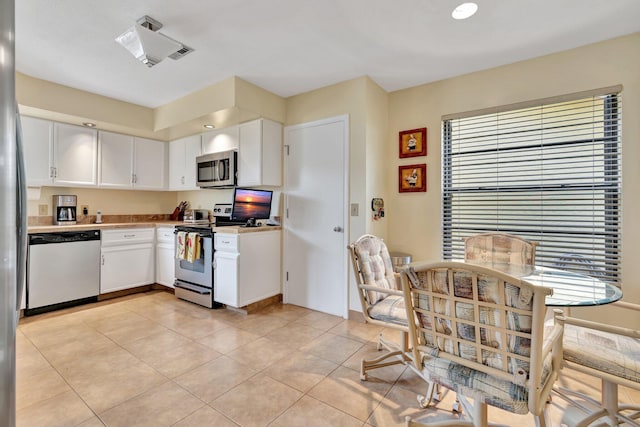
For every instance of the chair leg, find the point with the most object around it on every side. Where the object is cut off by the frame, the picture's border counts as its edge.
(425, 400)
(399, 352)
(367, 365)
(456, 407)
(480, 414)
(607, 408)
(541, 420)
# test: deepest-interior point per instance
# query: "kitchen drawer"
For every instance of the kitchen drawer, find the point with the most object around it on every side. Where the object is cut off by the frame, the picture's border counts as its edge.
(165, 235)
(226, 242)
(127, 236)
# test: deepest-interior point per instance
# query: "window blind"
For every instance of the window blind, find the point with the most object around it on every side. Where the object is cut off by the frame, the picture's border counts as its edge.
(548, 172)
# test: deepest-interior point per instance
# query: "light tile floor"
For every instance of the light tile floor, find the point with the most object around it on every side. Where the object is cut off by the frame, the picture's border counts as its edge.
(152, 360)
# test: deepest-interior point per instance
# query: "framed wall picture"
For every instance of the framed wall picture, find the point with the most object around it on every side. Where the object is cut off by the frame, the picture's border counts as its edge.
(412, 178)
(413, 143)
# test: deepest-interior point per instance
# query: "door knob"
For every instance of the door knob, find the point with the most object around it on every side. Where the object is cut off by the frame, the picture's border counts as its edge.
(337, 229)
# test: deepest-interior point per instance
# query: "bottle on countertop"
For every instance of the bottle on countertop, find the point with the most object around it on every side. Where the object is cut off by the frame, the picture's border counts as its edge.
(99, 217)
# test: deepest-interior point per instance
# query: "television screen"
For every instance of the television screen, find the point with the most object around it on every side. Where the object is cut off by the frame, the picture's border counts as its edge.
(249, 203)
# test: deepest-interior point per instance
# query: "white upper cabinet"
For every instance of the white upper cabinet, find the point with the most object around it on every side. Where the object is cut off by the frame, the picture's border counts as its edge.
(150, 162)
(132, 163)
(220, 140)
(116, 160)
(75, 155)
(37, 143)
(260, 153)
(182, 162)
(59, 154)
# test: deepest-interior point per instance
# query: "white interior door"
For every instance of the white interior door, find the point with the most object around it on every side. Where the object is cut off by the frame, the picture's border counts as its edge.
(315, 215)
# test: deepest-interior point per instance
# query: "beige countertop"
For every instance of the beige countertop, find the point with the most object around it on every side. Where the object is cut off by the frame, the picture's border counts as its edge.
(236, 229)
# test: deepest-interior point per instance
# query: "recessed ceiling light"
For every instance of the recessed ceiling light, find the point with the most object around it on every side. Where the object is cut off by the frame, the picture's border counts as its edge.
(89, 124)
(209, 126)
(464, 11)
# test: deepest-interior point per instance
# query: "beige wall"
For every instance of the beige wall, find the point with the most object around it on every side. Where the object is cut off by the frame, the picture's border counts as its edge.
(40, 98)
(378, 183)
(415, 219)
(110, 202)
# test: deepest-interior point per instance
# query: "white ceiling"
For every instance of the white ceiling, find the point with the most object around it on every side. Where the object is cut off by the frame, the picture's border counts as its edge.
(293, 46)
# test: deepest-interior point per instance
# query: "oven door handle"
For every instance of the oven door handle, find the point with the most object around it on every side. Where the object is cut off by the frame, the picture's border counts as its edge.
(203, 236)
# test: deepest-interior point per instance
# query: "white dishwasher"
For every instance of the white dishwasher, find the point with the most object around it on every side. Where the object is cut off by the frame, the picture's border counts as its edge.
(63, 269)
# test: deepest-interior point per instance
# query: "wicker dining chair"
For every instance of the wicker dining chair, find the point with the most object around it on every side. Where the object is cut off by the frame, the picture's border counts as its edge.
(480, 332)
(382, 300)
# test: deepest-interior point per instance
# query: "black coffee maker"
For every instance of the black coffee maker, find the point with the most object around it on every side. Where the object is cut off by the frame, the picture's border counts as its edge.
(64, 210)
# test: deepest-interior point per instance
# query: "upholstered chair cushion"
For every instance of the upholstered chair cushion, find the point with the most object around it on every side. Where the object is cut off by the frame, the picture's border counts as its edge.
(614, 354)
(480, 386)
(390, 309)
(376, 267)
(499, 251)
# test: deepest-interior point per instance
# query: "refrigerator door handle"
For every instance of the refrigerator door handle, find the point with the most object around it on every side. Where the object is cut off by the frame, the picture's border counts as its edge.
(21, 215)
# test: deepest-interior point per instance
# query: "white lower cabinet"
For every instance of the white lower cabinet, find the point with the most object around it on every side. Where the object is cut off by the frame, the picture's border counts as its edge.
(165, 256)
(246, 267)
(127, 259)
(225, 289)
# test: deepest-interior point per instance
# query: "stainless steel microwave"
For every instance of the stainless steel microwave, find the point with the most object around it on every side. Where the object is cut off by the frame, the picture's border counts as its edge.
(217, 169)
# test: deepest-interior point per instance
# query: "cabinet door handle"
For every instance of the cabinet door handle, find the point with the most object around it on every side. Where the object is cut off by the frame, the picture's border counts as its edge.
(102, 259)
(128, 236)
(182, 180)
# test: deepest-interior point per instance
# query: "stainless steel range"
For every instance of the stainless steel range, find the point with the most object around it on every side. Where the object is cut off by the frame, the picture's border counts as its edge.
(195, 280)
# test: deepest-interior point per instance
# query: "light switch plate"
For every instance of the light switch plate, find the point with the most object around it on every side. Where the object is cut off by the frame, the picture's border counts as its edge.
(43, 210)
(355, 208)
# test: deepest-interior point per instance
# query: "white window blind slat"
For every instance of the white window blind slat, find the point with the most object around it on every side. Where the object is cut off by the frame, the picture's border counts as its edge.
(549, 173)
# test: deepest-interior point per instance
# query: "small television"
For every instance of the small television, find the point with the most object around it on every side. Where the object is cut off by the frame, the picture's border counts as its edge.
(248, 203)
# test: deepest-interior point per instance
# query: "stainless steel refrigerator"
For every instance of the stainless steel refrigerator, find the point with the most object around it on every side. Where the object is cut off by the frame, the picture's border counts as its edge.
(13, 231)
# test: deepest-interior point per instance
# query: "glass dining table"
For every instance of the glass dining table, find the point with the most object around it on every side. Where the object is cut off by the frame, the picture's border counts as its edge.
(570, 289)
(573, 289)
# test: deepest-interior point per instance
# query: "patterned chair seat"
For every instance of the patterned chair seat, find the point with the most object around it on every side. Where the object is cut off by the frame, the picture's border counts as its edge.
(390, 309)
(614, 354)
(607, 352)
(481, 386)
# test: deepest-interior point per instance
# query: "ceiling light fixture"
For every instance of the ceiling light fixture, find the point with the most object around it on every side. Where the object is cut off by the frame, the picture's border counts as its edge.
(464, 11)
(89, 124)
(148, 45)
(209, 126)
